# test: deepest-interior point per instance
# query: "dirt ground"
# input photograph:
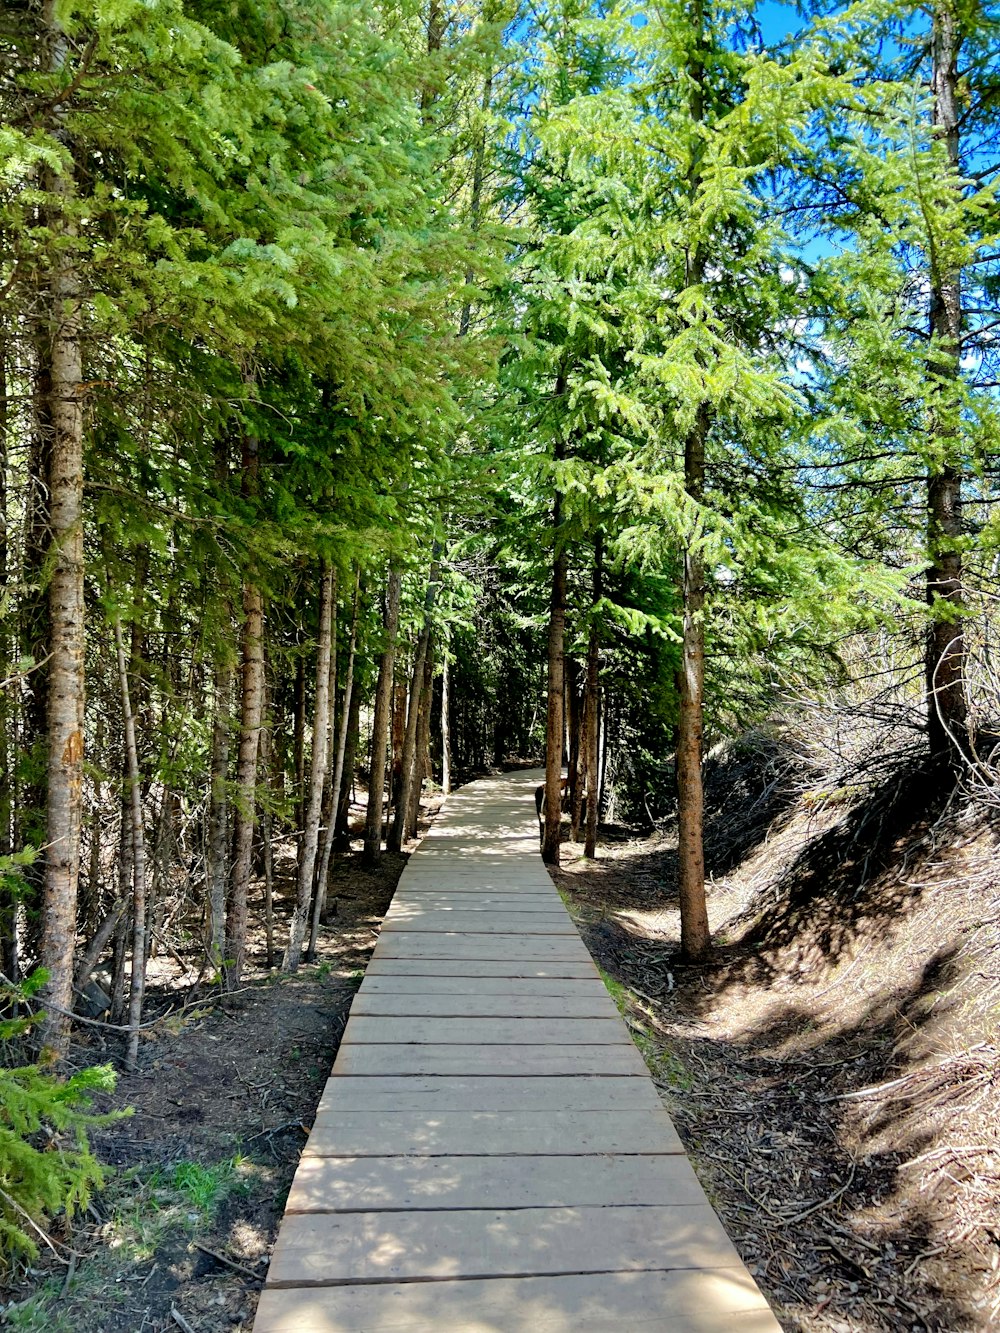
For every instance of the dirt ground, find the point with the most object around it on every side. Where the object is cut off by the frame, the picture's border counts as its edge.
(222, 1101)
(834, 1074)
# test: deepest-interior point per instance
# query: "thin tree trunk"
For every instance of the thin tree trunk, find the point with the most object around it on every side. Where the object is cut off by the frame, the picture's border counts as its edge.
(66, 685)
(137, 986)
(695, 938)
(576, 753)
(947, 707)
(554, 720)
(328, 802)
(592, 706)
(8, 901)
(102, 938)
(317, 776)
(422, 757)
(409, 746)
(342, 826)
(218, 813)
(445, 725)
(409, 754)
(330, 819)
(117, 1011)
(266, 764)
(556, 675)
(251, 710)
(381, 720)
(299, 750)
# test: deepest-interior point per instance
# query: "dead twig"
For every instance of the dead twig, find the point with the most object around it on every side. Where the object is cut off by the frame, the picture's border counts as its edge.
(230, 1263)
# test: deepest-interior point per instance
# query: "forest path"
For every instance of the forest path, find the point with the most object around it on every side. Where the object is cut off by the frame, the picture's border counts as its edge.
(490, 1152)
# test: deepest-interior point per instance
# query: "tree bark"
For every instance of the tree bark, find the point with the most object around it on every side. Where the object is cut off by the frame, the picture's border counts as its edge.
(8, 717)
(575, 751)
(66, 683)
(421, 764)
(299, 743)
(317, 776)
(218, 813)
(341, 828)
(251, 715)
(445, 725)
(336, 779)
(380, 722)
(947, 707)
(592, 706)
(554, 716)
(695, 938)
(102, 937)
(408, 765)
(137, 985)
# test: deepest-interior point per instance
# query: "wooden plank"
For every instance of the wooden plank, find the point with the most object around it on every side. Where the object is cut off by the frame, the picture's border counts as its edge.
(468, 1003)
(474, 900)
(510, 1060)
(572, 1133)
(323, 1249)
(432, 1031)
(681, 1301)
(385, 965)
(496, 948)
(428, 1093)
(409, 917)
(409, 983)
(353, 1184)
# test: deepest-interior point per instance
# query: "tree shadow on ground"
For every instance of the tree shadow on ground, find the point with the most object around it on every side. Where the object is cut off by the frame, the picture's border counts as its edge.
(748, 789)
(764, 1101)
(864, 869)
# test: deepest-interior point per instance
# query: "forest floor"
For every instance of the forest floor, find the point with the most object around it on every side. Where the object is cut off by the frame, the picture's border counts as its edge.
(835, 1073)
(223, 1098)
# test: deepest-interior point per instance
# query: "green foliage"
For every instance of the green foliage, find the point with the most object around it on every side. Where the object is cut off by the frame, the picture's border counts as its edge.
(205, 1186)
(46, 1164)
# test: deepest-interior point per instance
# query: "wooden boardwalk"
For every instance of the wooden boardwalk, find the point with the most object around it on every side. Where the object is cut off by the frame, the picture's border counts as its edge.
(490, 1152)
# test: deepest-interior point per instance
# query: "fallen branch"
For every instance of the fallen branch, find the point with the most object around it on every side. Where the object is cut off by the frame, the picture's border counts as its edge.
(230, 1263)
(823, 1203)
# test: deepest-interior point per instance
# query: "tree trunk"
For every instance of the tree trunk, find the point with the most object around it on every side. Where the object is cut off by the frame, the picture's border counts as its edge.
(251, 711)
(554, 716)
(218, 813)
(317, 776)
(592, 707)
(102, 937)
(947, 708)
(408, 765)
(400, 698)
(117, 1011)
(8, 719)
(445, 725)
(575, 751)
(421, 764)
(137, 986)
(266, 762)
(342, 826)
(409, 748)
(380, 722)
(66, 684)
(695, 938)
(299, 751)
(337, 777)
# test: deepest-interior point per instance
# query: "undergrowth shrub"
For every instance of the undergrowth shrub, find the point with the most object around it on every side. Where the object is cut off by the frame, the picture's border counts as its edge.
(46, 1164)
